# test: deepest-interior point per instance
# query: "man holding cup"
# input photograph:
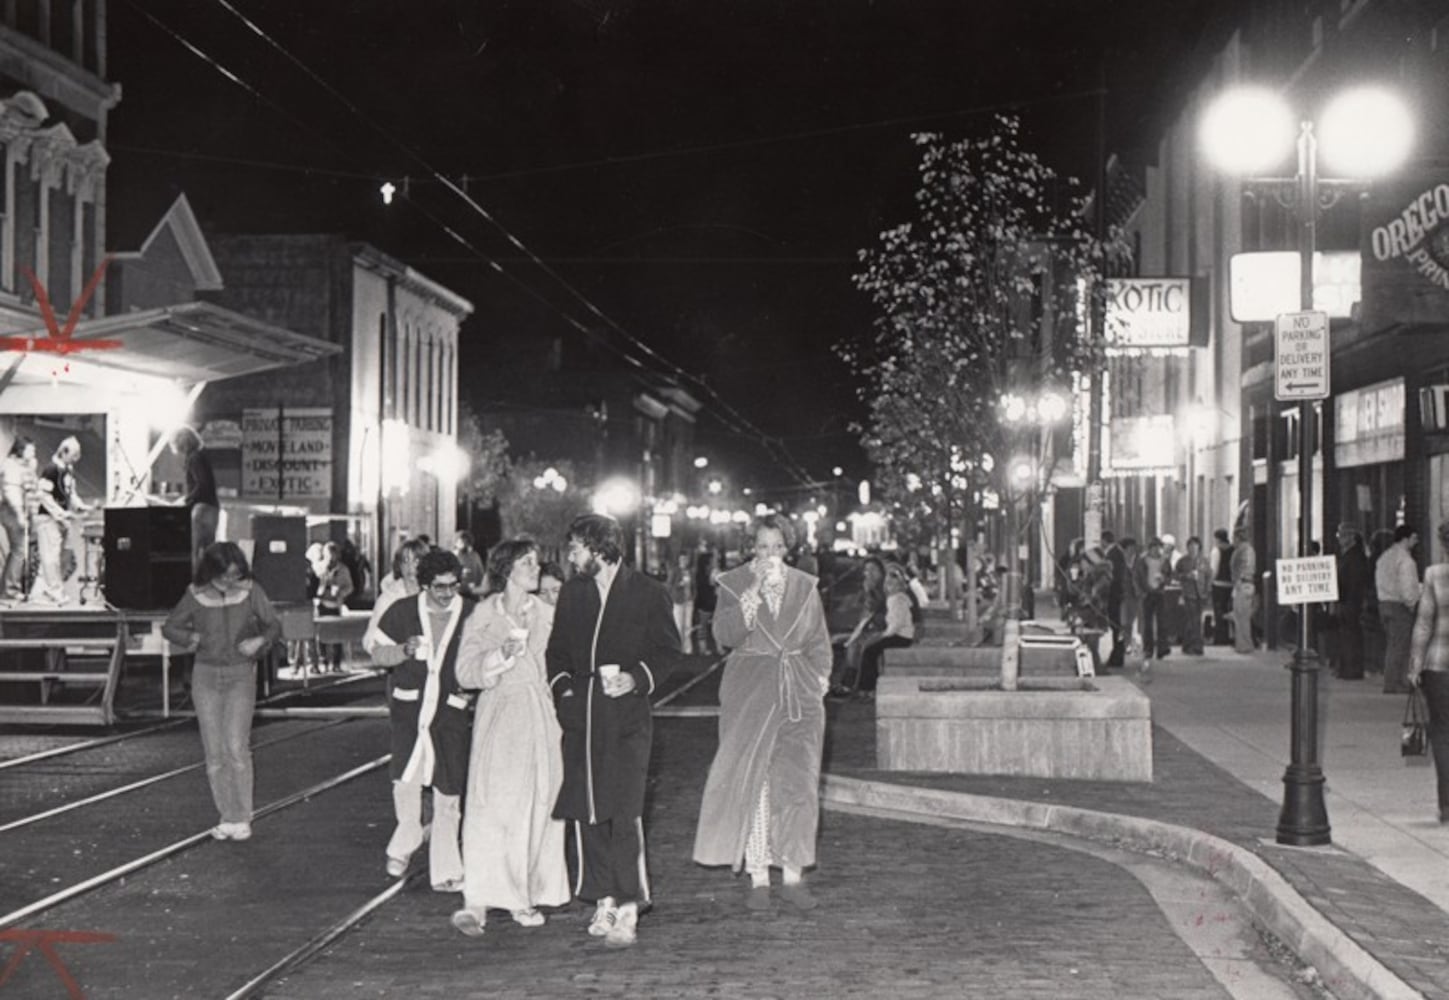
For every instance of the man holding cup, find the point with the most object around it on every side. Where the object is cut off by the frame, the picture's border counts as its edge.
(613, 637)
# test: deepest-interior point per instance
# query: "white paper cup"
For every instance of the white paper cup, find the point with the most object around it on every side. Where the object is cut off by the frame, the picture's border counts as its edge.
(608, 671)
(424, 651)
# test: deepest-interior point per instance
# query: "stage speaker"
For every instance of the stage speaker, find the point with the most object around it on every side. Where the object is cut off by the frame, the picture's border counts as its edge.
(279, 557)
(148, 557)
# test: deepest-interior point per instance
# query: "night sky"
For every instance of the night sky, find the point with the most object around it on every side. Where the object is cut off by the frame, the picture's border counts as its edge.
(701, 172)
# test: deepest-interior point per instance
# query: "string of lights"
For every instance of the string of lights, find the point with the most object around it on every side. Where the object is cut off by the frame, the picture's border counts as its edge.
(773, 445)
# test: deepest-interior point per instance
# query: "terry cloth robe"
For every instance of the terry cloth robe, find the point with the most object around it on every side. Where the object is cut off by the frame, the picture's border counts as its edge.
(606, 740)
(431, 714)
(513, 848)
(771, 724)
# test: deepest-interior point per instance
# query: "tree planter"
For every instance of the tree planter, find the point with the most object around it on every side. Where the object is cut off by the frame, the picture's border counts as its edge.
(1052, 727)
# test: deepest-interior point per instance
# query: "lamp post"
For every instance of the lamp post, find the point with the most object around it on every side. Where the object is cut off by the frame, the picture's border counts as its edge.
(1039, 412)
(1365, 131)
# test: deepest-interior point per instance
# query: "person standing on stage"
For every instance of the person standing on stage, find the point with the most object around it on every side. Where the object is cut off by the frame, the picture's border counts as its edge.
(200, 497)
(417, 639)
(59, 503)
(226, 615)
(613, 637)
(762, 797)
(17, 494)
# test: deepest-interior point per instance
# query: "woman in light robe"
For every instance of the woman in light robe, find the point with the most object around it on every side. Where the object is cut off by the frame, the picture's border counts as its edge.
(761, 801)
(513, 848)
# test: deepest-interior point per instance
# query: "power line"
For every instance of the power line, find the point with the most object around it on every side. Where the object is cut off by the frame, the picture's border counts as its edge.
(782, 453)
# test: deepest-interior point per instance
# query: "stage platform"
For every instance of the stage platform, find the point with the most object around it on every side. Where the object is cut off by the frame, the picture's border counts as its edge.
(62, 665)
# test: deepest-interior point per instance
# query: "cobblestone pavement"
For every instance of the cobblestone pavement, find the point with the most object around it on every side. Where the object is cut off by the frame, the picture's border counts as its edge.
(908, 911)
(1398, 926)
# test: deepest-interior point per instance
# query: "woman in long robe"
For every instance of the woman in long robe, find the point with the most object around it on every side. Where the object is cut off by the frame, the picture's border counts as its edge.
(513, 848)
(762, 798)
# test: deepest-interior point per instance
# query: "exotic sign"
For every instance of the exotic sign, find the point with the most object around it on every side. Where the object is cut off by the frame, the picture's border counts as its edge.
(1154, 313)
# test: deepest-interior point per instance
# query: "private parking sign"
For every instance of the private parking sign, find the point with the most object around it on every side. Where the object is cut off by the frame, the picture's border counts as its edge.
(1300, 356)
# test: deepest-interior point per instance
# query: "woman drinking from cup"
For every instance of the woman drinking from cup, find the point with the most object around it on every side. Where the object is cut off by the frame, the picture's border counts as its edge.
(761, 800)
(513, 848)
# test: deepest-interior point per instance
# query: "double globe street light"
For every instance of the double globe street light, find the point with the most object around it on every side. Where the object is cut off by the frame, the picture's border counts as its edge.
(1362, 133)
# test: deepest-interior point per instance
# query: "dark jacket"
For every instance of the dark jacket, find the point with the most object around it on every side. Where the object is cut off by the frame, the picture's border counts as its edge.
(1355, 579)
(606, 740)
(451, 725)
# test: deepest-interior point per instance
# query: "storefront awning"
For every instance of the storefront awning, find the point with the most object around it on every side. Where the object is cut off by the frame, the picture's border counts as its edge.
(189, 343)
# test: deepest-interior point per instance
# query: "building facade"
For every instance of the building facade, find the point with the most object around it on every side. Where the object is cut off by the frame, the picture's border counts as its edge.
(365, 439)
(1381, 438)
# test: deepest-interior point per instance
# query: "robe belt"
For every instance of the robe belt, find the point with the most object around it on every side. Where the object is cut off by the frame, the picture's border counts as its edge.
(792, 662)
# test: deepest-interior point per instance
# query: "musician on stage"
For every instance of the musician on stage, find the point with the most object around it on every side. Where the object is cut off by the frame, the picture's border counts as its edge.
(17, 496)
(59, 503)
(200, 498)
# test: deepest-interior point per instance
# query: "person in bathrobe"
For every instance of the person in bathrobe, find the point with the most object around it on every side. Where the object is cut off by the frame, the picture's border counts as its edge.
(418, 639)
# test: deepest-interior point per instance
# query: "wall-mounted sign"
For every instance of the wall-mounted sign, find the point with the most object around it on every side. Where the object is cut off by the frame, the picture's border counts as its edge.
(1406, 252)
(1264, 285)
(1146, 313)
(1142, 444)
(287, 453)
(1368, 425)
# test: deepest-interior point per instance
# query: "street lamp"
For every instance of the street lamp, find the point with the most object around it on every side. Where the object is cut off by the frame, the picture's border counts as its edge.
(1020, 411)
(1365, 131)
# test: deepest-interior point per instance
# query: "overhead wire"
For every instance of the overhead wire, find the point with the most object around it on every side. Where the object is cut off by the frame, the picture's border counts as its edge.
(771, 443)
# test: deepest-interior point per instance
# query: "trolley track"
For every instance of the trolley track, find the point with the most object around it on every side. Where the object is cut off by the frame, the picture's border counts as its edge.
(88, 903)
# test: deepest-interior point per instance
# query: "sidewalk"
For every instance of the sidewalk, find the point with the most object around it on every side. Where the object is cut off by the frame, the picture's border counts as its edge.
(1221, 743)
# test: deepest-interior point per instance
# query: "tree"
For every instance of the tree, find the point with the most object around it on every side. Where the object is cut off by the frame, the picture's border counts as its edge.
(533, 504)
(489, 464)
(977, 296)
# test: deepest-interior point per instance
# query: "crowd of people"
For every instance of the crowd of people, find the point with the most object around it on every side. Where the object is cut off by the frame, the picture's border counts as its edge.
(520, 716)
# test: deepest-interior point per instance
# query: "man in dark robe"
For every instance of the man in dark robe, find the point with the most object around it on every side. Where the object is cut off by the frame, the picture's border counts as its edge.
(613, 639)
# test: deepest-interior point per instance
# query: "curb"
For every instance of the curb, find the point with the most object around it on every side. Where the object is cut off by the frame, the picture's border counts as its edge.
(1343, 964)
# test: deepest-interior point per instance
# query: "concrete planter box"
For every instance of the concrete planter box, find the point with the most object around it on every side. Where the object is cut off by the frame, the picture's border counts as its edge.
(927, 659)
(1096, 729)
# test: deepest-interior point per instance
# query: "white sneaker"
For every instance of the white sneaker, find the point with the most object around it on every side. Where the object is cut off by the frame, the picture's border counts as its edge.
(528, 918)
(605, 914)
(624, 933)
(396, 867)
(241, 831)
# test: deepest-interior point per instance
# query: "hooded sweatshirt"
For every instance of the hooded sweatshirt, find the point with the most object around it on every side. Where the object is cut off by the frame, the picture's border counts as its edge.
(218, 622)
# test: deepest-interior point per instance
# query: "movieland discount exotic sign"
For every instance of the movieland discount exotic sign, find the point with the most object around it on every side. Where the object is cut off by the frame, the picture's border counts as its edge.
(1155, 313)
(1406, 254)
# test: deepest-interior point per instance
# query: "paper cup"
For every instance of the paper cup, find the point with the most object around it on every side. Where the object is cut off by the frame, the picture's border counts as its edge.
(608, 671)
(424, 652)
(521, 634)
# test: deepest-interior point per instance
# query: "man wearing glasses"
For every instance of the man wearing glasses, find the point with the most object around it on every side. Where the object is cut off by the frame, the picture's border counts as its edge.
(431, 715)
(613, 638)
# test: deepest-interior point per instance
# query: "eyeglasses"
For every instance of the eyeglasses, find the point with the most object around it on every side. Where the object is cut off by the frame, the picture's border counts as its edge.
(443, 587)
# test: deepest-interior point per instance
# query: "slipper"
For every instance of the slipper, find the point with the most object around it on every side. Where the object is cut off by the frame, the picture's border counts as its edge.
(798, 896)
(467, 923)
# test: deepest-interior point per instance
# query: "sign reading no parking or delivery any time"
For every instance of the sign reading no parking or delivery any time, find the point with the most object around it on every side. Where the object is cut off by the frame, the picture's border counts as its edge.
(1310, 580)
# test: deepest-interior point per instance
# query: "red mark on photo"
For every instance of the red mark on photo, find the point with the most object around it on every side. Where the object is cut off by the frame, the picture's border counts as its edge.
(45, 942)
(60, 340)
